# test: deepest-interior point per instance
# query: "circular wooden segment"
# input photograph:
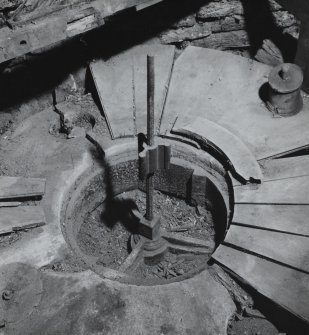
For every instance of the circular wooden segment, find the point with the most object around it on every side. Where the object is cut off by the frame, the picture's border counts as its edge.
(234, 153)
(269, 234)
(229, 90)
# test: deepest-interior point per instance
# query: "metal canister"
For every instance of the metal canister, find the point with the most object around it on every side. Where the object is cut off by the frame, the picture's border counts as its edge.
(284, 96)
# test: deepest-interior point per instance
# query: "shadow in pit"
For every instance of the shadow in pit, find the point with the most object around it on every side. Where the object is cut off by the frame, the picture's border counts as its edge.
(116, 210)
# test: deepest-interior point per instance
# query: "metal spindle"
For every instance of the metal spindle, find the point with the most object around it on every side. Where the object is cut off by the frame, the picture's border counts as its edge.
(150, 132)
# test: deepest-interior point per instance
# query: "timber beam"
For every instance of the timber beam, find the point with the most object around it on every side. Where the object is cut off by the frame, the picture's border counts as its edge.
(41, 30)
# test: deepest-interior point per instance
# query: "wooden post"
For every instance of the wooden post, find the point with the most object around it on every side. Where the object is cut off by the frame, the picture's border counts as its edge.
(302, 55)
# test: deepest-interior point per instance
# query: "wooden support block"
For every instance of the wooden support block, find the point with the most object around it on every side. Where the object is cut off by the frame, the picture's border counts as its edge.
(154, 158)
(291, 250)
(146, 228)
(286, 287)
(198, 185)
(19, 187)
(19, 218)
(302, 54)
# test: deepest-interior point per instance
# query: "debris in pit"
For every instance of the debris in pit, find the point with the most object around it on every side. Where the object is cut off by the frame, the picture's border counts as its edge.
(73, 120)
(172, 266)
(106, 236)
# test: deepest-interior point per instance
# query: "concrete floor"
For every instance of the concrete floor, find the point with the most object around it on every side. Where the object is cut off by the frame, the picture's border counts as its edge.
(82, 302)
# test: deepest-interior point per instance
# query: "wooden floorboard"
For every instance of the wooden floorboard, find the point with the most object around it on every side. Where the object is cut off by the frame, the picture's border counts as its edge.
(19, 187)
(282, 191)
(286, 287)
(216, 137)
(164, 59)
(121, 83)
(227, 92)
(291, 250)
(114, 83)
(283, 218)
(18, 217)
(283, 168)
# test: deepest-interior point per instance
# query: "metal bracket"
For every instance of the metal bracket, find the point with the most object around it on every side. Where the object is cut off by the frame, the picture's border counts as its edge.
(153, 158)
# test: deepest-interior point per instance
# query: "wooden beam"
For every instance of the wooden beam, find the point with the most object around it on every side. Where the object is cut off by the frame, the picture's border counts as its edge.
(41, 30)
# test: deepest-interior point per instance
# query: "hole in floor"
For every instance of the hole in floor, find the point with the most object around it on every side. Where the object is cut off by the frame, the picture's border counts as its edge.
(99, 225)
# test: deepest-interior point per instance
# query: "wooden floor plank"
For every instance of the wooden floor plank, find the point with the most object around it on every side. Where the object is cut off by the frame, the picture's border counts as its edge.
(121, 83)
(164, 59)
(283, 168)
(283, 191)
(19, 187)
(292, 250)
(227, 92)
(216, 137)
(283, 218)
(286, 287)
(18, 217)
(114, 83)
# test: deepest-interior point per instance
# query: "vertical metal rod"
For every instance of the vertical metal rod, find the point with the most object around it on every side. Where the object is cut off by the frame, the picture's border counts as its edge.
(150, 99)
(150, 132)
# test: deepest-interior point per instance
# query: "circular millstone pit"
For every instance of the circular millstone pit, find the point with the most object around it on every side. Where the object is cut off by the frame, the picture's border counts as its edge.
(191, 197)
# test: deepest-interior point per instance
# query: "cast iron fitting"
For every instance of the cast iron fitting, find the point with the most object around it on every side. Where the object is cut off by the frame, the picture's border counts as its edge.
(284, 95)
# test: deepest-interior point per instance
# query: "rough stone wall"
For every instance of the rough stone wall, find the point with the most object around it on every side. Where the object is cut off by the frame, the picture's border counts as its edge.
(255, 28)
